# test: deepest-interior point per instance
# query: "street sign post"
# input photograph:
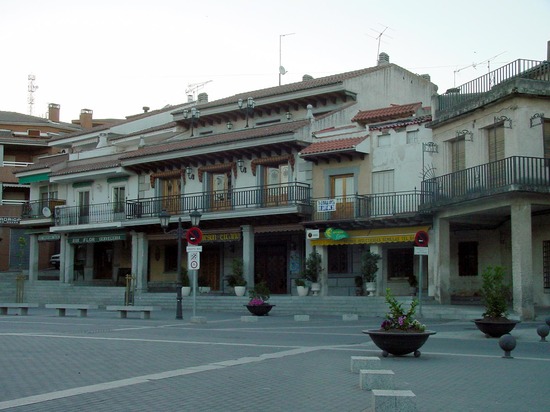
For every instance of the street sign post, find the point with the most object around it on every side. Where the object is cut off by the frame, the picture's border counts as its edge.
(421, 240)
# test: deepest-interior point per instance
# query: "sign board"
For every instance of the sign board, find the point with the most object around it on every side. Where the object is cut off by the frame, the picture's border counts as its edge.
(79, 240)
(421, 238)
(312, 233)
(49, 237)
(10, 220)
(326, 205)
(194, 249)
(421, 250)
(194, 236)
(193, 260)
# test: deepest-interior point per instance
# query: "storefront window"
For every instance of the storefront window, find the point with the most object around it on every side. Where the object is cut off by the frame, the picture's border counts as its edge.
(400, 263)
(338, 259)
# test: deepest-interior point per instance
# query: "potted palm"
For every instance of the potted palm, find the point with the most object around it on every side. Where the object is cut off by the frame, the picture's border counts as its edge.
(495, 293)
(259, 295)
(301, 286)
(312, 271)
(237, 280)
(369, 267)
(400, 333)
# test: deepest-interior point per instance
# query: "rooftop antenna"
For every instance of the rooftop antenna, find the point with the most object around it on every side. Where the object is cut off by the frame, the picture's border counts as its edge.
(192, 88)
(281, 68)
(32, 88)
(474, 65)
(379, 39)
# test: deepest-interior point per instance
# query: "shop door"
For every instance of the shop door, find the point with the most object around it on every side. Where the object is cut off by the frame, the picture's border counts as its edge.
(271, 266)
(210, 267)
(103, 260)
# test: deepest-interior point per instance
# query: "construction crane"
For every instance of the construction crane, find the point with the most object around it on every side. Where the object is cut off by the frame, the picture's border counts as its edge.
(192, 89)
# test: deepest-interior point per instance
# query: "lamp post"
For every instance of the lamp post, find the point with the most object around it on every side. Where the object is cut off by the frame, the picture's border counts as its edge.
(195, 217)
(247, 106)
(164, 218)
(193, 114)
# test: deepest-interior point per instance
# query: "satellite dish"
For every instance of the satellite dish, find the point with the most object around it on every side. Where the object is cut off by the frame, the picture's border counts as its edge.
(46, 211)
(282, 70)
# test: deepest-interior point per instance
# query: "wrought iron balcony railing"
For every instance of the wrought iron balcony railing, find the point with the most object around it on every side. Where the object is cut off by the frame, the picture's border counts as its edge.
(40, 209)
(261, 197)
(366, 206)
(475, 89)
(516, 173)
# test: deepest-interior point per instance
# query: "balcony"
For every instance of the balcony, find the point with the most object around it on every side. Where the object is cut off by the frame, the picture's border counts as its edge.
(494, 85)
(294, 195)
(370, 206)
(36, 209)
(516, 173)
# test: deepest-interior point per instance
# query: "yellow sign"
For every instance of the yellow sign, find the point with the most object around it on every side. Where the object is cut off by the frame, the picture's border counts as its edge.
(221, 237)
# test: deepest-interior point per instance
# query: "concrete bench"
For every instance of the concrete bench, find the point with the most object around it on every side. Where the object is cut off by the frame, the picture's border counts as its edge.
(370, 379)
(123, 310)
(23, 308)
(364, 362)
(393, 400)
(62, 308)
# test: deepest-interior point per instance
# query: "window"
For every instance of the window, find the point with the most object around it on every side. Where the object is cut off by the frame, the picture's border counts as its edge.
(338, 259)
(412, 136)
(458, 155)
(467, 259)
(546, 138)
(546, 263)
(495, 138)
(384, 140)
(84, 206)
(119, 197)
(383, 182)
(400, 263)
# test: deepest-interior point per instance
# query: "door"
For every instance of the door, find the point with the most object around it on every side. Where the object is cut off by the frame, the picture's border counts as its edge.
(497, 169)
(103, 260)
(84, 207)
(221, 191)
(210, 267)
(171, 190)
(342, 189)
(276, 184)
(271, 266)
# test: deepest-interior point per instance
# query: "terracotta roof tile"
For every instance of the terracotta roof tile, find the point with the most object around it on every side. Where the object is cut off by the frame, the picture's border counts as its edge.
(331, 146)
(387, 113)
(7, 176)
(88, 165)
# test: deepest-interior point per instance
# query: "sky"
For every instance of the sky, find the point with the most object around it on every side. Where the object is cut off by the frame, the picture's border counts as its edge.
(115, 57)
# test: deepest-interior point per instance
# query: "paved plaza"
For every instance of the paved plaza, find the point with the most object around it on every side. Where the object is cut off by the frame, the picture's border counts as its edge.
(103, 363)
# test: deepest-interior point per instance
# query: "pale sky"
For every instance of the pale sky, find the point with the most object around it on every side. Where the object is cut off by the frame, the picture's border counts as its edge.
(116, 56)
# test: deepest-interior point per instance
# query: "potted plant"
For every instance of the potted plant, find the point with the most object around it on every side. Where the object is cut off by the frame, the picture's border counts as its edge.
(185, 283)
(312, 270)
(413, 283)
(301, 286)
(237, 280)
(400, 333)
(259, 295)
(359, 286)
(369, 267)
(495, 297)
(203, 284)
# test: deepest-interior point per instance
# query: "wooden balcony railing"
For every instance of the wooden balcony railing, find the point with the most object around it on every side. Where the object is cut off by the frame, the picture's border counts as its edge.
(36, 209)
(260, 197)
(516, 173)
(366, 206)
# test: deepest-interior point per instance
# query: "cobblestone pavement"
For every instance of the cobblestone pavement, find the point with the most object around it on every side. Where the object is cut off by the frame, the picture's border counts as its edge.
(102, 363)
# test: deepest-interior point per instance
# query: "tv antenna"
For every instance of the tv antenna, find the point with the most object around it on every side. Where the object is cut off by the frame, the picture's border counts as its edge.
(31, 88)
(378, 38)
(193, 88)
(282, 70)
(474, 65)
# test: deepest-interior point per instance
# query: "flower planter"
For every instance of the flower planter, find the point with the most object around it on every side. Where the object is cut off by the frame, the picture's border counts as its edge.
(302, 290)
(495, 328)
(370, 287)
(259, 310)
(399, 343)
(240, 290)
(315, 288)
(185, 290)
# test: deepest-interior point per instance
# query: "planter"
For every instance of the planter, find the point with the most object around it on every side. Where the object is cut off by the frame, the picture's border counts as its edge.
(259, 310)
(315, 288)
(185, 290)
(302, 290)
(240, 290)
(399, 343)
(370, 287)
(495, 328)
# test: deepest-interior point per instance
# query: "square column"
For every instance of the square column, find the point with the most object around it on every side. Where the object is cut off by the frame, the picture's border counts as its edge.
(442, 257)
(248, 254)
(140, 257)
(522, 261)
(33, 258)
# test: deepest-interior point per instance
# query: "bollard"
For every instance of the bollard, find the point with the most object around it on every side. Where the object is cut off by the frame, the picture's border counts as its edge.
(507, 344)
(543, 331)
(19, 288)
(129, 293)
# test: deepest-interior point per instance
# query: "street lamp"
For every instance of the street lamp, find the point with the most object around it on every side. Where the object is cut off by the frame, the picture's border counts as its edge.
(248, 107)
(164, 218)
(192, 114)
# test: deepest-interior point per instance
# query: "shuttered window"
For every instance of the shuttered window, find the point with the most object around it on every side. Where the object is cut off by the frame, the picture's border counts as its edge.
(458, 155)
(496, 143)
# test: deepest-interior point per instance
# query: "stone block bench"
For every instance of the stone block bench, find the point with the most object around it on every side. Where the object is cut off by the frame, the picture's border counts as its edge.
(123, 310)
(23, 308)
(393, 400)
(62, 308)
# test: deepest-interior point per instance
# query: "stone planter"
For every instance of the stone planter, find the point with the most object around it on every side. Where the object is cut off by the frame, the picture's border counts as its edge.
(259, 310)
(370, 287)
(240, 290)
(495, 328)
(399, 343)
(315, 288)
(302, 290)
(185, 290)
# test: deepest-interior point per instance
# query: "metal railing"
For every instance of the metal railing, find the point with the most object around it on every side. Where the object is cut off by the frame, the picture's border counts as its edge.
(368, 206)
(35, 209)
(475, 89)
(16, 164)
(514, 173)
(261, 197)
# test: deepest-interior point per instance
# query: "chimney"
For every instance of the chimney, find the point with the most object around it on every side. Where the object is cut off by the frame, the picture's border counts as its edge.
(146, 109)
(548, 51)
(383, 58)
(306, 77)
(53, 112)
(426, 76)
(86, 116)
(202, 98)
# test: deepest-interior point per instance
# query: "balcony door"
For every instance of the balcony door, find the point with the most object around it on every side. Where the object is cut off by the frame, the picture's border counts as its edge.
(495, 142)
(118, 200)
(275, 183)
(84, 206)
(221, 191)
(342, 190)
(171, 190)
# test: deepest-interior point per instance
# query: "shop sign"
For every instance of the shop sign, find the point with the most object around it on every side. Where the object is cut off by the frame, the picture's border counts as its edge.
(221, 237)
(326, 205)
(96, 239)
(335, 234)
(49, 237)
(9, 220)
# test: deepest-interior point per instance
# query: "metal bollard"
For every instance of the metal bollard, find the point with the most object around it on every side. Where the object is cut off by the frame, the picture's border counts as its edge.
(20, 288)
(129, 293)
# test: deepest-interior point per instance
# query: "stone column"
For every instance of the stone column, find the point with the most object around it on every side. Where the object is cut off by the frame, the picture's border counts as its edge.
(140, 257)
(248, 254)
(380, 280)
(323, 276)
(522, 261)
(67, 260)
(33, 258)
(442, 257)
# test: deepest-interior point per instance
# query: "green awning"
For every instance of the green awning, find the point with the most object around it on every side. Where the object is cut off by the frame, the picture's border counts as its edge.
(40, 177)
(96, 238)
